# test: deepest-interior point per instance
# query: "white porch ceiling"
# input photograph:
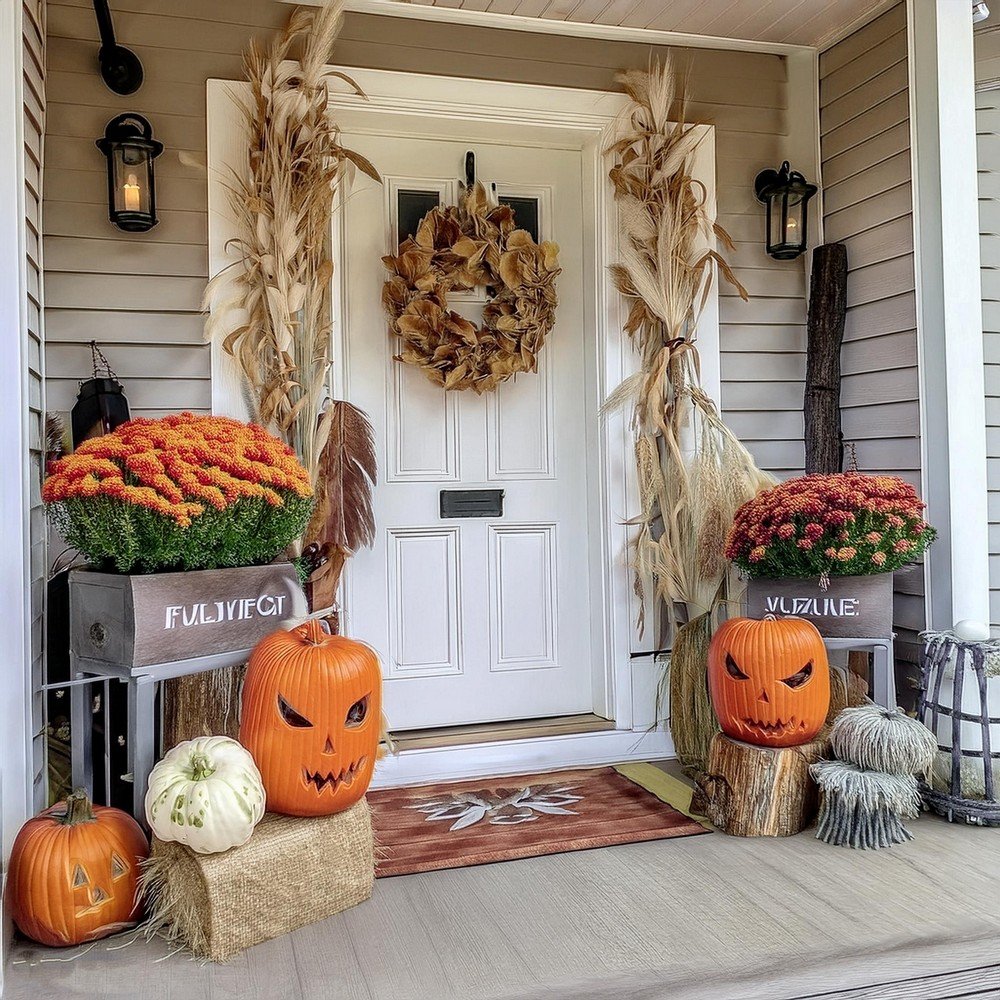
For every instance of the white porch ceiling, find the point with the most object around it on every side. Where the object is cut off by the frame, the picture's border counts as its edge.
(789, 22)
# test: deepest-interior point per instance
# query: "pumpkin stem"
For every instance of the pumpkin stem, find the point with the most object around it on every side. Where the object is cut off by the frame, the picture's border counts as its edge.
(201, 767)
(78, 809)
(315, 633)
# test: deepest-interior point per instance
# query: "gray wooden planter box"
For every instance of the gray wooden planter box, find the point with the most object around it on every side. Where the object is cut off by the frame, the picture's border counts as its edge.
(157, 618)
(851, 607)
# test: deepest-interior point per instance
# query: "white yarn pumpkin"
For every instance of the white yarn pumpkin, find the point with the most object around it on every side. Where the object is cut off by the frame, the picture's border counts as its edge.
(970, 630)
(206, 793)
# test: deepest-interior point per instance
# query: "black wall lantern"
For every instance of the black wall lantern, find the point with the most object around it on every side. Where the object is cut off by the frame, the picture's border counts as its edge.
(129, 145)
(786, 195)
(101, 405)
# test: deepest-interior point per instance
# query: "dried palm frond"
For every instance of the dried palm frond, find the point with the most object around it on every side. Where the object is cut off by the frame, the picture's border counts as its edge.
(271, 312)
(344, 517)
(693, 473)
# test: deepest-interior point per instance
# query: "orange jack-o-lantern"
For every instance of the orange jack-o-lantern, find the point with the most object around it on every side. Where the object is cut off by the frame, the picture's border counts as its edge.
(769, 680)
(73, 873)
(312, 705)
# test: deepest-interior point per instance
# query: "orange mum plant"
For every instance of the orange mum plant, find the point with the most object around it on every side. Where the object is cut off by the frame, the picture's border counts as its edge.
(845, 524)
(183, 492)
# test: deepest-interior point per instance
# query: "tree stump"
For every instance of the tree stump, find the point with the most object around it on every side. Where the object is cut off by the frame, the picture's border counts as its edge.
(751, 791)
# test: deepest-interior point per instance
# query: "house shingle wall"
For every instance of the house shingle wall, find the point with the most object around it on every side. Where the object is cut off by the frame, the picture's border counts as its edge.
(987, 42)
(868, 205)
(140, 295)
(33, 61)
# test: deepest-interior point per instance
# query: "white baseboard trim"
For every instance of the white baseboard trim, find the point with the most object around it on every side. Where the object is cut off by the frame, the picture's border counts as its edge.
(547, 753)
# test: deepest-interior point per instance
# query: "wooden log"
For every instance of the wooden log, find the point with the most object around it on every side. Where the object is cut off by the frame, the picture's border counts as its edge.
(751, 791)
(202, 705)
(859, 663)
(825, 335)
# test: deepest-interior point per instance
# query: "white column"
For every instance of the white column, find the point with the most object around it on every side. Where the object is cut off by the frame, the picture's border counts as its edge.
(949, 308)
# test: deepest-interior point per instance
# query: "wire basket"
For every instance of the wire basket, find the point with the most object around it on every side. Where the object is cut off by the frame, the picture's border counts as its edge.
(960, 704)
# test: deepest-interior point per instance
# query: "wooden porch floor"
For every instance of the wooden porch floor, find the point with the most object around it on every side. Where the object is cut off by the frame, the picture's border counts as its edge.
(704, 918)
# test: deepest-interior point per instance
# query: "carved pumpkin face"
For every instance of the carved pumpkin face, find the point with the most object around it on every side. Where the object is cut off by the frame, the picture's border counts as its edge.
(769, 680)
(312, 705)
(73, 873)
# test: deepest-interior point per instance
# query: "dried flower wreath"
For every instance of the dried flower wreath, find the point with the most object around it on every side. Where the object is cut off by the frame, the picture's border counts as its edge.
(466, 246)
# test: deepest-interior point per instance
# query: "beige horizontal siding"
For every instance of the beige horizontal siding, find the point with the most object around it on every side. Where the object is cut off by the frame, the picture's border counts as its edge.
(987, 53)
(868, 206)
(139, 295)
(988, 136)
(33, 66)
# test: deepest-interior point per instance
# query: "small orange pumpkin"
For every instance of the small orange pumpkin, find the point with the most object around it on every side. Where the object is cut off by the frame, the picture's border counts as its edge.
(769, 680)
(73, 872)
(312, 707)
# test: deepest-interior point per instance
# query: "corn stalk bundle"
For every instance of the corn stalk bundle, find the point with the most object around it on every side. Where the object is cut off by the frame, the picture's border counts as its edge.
(693, 473)
(271, 312)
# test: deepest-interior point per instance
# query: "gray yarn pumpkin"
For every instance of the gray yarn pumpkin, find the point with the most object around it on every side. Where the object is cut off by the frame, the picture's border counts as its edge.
(883, 739)
(863, 809)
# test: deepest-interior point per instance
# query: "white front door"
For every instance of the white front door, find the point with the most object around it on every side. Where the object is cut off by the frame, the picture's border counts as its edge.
(477, 619)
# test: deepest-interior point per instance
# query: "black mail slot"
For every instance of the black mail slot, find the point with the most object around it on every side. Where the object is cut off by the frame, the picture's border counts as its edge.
(472, 503)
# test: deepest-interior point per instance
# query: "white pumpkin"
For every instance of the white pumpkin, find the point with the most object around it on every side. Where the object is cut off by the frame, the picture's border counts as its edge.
(206, 793)
(970, 630)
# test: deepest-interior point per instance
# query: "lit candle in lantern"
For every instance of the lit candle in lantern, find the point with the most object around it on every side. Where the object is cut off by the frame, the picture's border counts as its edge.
(131, 190)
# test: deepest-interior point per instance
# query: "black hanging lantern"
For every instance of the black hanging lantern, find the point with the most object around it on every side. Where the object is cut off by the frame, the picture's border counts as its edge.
(786, 194)
(101, 405)
(129, 145)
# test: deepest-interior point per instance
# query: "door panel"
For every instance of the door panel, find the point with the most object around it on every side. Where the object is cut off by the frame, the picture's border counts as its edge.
(522, 584)
(476, 619)
(423, 601)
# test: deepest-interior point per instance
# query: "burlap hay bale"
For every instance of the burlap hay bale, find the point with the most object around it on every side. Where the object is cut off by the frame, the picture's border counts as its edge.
(292, 872)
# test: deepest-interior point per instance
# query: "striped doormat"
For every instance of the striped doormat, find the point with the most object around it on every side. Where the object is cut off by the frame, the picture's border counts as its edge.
(477, 822)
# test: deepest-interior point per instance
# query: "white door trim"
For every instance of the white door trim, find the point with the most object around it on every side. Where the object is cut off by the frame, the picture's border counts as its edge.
(949, 308)
(584, 119)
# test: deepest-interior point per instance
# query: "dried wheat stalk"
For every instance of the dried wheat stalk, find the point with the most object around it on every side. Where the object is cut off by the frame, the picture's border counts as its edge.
(271, 312)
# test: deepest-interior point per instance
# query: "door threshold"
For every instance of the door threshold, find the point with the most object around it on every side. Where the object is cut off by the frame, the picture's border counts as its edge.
(520, 753)
(495, 732)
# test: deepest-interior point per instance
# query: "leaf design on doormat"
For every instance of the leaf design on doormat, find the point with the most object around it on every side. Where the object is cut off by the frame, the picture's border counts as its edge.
(524, 805)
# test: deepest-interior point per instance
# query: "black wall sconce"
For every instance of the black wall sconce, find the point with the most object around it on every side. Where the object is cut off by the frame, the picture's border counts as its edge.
(786, 195)
(130, 148)
(101, 405)
(120, 67)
